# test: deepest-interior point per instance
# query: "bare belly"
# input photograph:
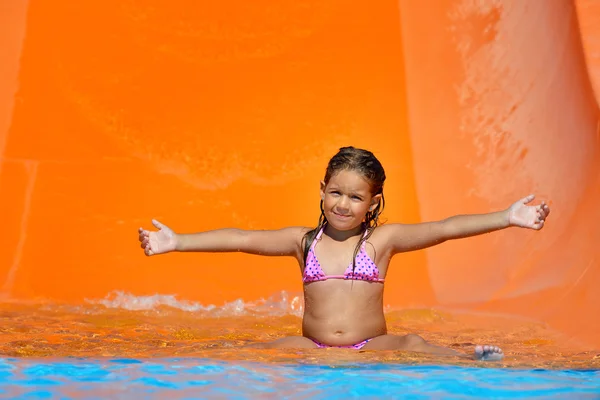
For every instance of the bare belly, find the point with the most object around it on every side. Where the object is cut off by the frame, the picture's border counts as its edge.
(336, 316)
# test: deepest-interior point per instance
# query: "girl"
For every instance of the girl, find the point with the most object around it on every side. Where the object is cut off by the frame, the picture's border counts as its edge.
(344, 260)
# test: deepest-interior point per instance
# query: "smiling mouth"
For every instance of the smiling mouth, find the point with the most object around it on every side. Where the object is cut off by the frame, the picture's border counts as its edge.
(340, 215)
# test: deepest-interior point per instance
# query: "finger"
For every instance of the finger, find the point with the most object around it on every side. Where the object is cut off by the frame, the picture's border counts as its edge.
(148, 251)
(157, 224)
(528, 199)
(540, 213)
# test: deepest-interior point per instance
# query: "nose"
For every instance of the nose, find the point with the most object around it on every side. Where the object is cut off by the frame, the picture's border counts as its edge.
(343, 204)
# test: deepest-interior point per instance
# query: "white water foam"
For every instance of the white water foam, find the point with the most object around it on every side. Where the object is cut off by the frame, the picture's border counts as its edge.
(278, 304)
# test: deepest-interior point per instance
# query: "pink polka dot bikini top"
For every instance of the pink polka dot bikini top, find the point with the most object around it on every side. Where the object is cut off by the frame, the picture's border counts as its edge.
(365, 269)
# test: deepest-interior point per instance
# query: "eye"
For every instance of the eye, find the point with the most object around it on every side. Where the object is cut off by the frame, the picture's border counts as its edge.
(357, 198)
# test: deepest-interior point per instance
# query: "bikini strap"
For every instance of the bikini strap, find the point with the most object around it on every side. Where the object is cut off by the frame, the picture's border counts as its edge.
(364, 236)
(316, 239)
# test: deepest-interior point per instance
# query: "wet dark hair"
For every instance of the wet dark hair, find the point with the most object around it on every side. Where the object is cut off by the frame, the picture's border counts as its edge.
(365, 163)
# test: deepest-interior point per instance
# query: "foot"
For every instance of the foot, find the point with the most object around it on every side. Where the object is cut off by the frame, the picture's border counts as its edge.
(488, 353)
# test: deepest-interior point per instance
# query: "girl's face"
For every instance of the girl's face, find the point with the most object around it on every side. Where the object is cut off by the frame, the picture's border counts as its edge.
(347, 199)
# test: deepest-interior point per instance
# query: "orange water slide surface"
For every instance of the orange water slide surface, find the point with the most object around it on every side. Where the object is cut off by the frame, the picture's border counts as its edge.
(206, 116)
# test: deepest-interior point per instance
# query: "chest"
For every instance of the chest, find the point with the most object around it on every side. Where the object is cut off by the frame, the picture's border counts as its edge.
(337, 258)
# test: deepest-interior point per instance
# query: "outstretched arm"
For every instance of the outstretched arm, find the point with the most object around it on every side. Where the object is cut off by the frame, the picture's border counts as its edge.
(281, 242)
(408, 237)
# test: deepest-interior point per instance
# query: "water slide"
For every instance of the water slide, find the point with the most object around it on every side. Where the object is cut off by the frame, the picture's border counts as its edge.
(113, 113)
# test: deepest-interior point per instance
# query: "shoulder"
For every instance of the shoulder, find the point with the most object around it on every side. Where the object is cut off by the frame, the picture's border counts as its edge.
(292, 232)
(384, 235)
(387, 230)
(298, 233)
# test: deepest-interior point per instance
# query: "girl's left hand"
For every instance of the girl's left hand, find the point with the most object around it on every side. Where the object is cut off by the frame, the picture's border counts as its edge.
(524, 216)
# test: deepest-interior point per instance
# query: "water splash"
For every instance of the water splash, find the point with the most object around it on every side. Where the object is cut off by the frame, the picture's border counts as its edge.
(278, 304)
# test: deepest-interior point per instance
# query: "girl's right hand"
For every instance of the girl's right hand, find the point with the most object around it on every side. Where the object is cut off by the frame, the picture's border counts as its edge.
(162, 241)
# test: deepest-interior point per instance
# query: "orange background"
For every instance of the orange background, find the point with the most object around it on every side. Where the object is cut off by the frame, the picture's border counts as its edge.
(206, 116)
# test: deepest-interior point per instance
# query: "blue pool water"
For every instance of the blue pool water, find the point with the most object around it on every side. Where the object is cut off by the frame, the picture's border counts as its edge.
(205, 378)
